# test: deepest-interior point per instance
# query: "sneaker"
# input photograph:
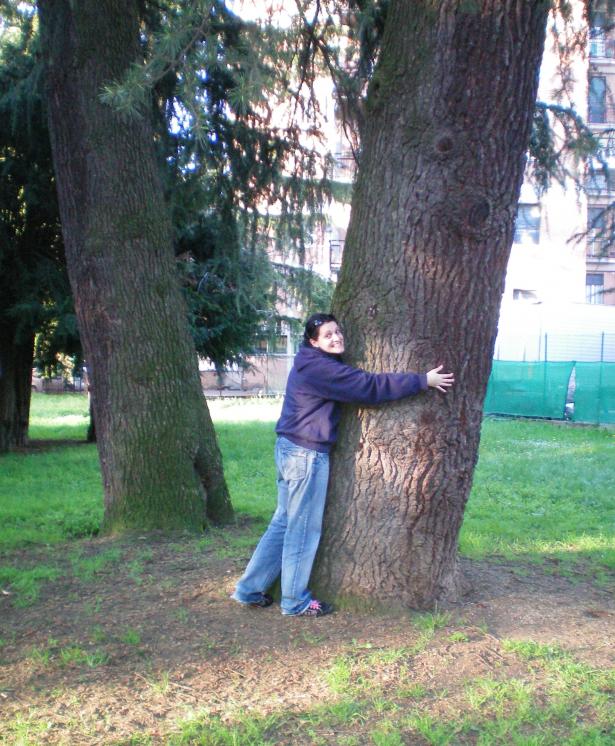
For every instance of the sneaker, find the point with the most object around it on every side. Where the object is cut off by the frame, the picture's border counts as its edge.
(264, 601)
(317, 608)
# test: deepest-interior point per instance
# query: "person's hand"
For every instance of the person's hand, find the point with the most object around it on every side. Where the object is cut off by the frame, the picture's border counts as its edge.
(440, 381)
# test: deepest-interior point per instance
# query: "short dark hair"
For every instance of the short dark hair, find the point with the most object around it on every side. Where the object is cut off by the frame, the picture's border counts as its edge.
(313, 324)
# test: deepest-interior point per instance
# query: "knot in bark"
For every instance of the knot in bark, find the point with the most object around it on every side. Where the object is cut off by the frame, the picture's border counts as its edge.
(444, 145)
(479, 212)
(468, 215)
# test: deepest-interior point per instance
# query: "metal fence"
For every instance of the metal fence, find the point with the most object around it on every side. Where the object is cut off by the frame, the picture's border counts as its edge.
(581, 392)
(598, 347)
(265, 375)
(556, 376)
(559, 376)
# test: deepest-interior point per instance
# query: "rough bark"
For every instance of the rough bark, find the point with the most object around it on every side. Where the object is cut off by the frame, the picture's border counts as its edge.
(447, 126)
(15, 388)
(160, 461)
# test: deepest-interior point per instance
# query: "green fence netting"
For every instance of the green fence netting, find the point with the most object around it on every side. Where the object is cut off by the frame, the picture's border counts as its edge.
(528, 389)
(594, 393)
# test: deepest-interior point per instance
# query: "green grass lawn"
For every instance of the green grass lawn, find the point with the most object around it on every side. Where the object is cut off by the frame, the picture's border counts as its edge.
(58, 417)
(542, 491)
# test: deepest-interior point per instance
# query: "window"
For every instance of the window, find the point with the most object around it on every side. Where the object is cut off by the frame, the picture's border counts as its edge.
(594, 287)
(600, 231)
(261, 346)
(597, 39)
(336, 249)
(280, 344)
(527, 224)
(599, 43)
(529, 295)
(597, 35)
(597, 180)
(597, 99)
(596, 231)
(345, 164)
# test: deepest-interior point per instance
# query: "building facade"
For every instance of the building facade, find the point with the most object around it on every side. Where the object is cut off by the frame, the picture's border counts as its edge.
(600, 243)
(564, 243)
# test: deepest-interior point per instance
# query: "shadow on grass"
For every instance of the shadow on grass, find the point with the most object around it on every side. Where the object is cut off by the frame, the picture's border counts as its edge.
(36, 445)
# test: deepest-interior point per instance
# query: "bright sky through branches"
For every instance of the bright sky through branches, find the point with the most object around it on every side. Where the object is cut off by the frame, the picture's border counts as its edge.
(277, 12)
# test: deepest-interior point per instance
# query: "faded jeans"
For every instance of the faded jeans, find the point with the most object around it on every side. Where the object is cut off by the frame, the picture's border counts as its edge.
(289, 544)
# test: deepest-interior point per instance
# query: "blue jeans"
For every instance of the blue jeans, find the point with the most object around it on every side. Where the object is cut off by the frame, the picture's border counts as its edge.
(289, 544)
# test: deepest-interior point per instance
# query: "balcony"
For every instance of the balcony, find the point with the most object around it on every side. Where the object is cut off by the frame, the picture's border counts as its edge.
(599, 246)
(607, 146)
(598, 183)
(345, 166)
(600, 46)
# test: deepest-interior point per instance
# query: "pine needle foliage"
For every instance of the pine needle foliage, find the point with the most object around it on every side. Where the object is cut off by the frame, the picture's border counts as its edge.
(215, 86)
(35, 296)
(239, 134)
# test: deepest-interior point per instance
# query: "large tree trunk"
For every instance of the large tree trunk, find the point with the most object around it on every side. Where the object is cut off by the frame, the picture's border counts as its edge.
(160, 461)
(447, 125)
(15, 388)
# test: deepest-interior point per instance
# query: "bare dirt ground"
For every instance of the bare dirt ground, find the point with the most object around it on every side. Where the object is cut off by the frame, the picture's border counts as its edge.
(153, 637)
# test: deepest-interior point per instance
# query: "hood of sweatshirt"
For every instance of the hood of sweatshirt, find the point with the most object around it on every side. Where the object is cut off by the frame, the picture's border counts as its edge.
(308, 354)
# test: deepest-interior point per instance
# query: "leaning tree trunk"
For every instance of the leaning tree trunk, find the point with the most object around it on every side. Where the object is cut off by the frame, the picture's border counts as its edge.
(15, 388)
(447, 125)
(161, 464)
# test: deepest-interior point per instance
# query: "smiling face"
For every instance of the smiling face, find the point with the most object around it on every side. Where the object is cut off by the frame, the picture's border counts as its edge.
(330, 339)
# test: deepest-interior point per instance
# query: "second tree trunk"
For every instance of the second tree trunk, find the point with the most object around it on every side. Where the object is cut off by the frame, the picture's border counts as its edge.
(161, 465)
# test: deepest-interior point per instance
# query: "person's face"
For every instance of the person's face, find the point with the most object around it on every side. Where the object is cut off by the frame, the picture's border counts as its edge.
(330, 338)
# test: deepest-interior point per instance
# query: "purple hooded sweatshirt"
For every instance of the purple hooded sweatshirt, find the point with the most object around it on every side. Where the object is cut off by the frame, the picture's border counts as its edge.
(316, 385)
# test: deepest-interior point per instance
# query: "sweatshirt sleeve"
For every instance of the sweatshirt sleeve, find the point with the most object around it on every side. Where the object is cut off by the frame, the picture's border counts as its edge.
(343, 383)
